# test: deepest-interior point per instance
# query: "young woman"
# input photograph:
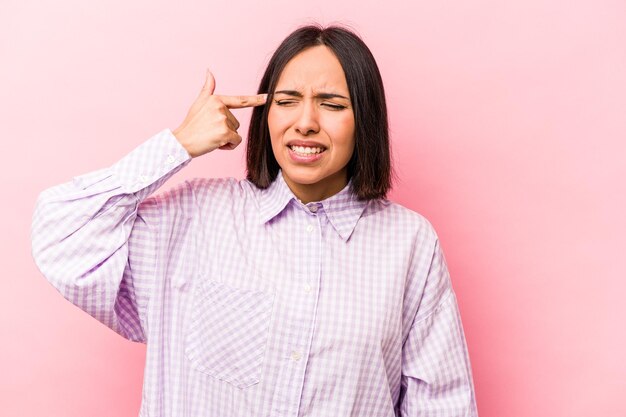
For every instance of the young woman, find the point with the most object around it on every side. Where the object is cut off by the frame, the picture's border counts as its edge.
(299, 291)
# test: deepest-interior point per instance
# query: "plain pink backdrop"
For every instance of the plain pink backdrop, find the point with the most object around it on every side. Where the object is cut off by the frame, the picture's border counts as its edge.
(508, 123)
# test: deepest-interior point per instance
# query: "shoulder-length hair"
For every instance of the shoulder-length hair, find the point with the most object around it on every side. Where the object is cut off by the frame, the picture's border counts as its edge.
(369, 169)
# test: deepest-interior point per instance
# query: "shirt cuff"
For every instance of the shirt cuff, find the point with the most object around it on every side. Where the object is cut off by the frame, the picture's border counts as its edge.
(150, 161)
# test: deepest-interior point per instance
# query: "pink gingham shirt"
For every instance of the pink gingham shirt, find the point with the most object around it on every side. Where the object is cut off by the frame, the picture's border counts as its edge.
(252, 303)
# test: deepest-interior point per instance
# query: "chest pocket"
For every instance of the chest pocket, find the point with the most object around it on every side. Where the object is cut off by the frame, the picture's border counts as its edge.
(228, 330)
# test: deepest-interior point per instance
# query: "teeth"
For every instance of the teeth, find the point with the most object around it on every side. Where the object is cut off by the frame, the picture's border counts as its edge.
(306, 150)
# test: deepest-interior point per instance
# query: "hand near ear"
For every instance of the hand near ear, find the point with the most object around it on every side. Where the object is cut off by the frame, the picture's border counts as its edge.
(209, 124)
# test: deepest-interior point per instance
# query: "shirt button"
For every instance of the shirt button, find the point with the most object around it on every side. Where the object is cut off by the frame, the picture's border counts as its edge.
(313, 208)
(170, 159)
(309, 228)
(143, 178)
(295, 355)
(307, 288)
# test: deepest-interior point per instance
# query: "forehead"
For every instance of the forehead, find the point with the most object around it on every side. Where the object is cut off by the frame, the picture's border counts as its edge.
(315, 68)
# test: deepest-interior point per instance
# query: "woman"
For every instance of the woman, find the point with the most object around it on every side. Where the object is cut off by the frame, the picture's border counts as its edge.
(298, 291)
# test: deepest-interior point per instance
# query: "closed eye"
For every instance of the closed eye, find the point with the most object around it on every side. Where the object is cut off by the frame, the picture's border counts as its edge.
(334, 106)
(290, 102)
(284, 102)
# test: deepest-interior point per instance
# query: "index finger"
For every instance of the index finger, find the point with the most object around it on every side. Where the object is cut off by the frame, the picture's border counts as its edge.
(239, 102)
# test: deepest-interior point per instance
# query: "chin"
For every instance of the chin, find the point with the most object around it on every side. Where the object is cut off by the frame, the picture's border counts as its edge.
(304, 176)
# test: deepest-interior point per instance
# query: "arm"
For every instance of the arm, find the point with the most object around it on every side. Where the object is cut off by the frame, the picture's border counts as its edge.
(436, 373)
(96, 238)
(82, 232)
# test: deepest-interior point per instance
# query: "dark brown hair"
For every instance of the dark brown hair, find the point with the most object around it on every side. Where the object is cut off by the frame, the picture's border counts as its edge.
(370, 166)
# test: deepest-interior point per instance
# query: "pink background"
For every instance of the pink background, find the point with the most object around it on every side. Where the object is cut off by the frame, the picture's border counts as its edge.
(508, 124)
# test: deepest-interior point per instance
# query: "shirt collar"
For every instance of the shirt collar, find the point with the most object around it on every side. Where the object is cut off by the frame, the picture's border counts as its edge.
(343, 209)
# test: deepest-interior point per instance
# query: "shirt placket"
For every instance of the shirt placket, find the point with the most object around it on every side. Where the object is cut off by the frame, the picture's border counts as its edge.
(305, 282)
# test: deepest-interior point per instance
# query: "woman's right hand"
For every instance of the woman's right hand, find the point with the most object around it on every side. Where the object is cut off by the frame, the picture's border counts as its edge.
(209, 124)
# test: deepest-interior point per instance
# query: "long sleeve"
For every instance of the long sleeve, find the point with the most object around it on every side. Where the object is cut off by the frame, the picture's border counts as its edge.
(95, 237)
(436, 373)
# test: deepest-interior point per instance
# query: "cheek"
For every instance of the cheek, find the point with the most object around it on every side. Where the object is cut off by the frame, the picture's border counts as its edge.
(275, 129)
(271, 120)
(276, 121)
(342, 130)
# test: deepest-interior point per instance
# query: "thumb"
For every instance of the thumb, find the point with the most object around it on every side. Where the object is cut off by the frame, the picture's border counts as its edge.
(209, 84)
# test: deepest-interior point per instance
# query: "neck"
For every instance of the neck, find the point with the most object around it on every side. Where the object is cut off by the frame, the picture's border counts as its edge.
(320, 190)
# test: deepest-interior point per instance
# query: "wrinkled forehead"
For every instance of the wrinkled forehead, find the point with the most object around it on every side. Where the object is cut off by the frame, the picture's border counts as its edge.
(313, 71)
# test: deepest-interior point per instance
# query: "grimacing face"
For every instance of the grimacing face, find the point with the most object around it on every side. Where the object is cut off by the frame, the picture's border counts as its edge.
(311, 124)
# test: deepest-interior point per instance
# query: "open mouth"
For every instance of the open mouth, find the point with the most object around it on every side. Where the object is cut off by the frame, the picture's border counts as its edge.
(306, 150)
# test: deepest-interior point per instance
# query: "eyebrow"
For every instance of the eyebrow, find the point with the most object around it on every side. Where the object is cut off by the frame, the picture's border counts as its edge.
(318, 95)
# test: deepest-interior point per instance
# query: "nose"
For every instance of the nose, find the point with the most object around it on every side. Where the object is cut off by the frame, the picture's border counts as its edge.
(307, 122)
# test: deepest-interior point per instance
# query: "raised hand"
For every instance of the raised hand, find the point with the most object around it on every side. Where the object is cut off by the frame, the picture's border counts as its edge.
(209, 124)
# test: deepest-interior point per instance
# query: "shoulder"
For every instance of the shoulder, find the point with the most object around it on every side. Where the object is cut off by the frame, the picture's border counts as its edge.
(207, 194)
(401, 219)
(227, 187)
